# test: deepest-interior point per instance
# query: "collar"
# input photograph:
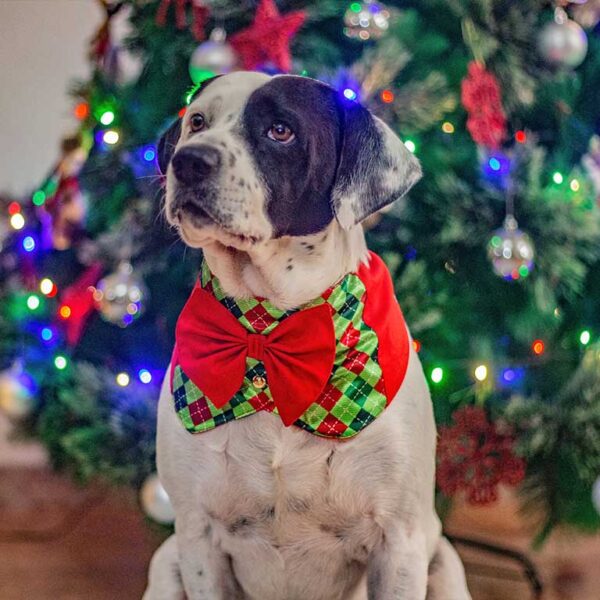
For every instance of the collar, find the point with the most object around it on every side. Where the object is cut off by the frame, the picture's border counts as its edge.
(330, 367)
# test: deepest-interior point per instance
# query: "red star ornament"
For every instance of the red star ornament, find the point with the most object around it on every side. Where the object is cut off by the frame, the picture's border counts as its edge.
(268, 38)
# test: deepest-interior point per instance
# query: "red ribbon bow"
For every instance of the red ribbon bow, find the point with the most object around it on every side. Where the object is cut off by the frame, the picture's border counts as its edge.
(298, 354)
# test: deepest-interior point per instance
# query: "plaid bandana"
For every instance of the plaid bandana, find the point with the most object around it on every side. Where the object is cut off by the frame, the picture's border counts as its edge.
(366, 367)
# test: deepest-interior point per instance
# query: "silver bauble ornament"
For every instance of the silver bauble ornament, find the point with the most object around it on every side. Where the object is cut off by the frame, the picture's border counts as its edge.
(596, 495)
(121, 296)
(511, 251)
(155, 501)
(213, 57)
(367, 20)
(562, 42)
(16, 398)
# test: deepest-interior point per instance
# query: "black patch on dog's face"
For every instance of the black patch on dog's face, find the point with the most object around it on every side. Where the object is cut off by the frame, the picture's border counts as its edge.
(300, 175)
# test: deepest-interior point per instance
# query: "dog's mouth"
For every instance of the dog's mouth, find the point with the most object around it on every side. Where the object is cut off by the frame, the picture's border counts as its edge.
(200, 219)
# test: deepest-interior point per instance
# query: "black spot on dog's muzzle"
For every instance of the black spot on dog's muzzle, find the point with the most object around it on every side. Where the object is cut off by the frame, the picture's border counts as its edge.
(195, 164)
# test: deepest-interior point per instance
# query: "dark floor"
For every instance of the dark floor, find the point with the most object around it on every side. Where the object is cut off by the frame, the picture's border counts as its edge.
(58, 542)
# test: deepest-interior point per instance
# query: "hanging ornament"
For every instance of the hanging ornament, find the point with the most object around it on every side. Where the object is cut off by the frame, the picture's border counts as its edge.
(596, 495)
(481, 97)
(121, 297)
(16, 393)
(212, 57)
(474, 455)
(155, 501)
(267, 40)
(562, 42)
(200, 14)
(511, 251)
(368, 20)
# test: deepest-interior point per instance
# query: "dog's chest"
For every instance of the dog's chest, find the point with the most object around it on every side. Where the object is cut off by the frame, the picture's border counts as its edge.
(265, 486)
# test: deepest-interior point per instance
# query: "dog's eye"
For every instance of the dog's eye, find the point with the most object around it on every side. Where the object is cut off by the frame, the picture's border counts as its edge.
(197, 122)
(280, 132)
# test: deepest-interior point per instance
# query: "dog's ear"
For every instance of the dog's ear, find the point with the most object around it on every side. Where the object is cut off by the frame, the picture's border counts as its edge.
(374, 169)
(166, 146)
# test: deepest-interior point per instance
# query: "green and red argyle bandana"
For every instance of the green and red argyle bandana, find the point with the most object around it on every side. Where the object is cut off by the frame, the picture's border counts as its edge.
(330, 367)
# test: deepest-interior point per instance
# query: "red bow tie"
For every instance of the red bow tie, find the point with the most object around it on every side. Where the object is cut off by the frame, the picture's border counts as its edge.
(298, 354)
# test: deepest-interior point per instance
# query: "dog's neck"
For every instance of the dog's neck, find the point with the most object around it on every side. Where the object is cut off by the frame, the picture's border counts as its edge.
(288, 271)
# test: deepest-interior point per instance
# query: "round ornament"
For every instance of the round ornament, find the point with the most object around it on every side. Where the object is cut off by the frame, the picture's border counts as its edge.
(16, 398)
(367, 20)
(155, 501)
(212, 57)
(563, 42)
(121, 296)
(596, 495)
(511, 251)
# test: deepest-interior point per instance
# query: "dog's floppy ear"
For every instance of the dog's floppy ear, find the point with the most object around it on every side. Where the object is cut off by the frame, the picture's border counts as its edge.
(375, 167)
(166, 146)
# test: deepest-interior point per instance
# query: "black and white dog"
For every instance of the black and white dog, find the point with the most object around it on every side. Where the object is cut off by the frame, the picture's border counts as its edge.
(271, 177)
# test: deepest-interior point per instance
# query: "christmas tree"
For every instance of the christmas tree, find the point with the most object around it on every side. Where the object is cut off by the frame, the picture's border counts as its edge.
(494, 254)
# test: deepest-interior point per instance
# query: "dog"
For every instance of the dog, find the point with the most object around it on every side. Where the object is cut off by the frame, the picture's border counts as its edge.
(271, 176)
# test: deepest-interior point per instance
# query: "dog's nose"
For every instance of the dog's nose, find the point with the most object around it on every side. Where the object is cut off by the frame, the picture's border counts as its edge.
(194, 163)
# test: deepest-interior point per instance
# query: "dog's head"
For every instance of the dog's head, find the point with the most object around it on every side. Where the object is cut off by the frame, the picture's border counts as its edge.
(257, 157)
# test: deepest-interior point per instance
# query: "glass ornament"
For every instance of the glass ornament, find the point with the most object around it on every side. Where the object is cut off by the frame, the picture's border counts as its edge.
(511, 251)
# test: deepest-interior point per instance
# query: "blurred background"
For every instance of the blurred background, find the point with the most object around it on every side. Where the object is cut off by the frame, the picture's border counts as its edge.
(495, 257)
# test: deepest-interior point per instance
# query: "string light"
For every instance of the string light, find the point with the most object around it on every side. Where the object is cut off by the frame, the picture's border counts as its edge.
(521, 136)
(60, 362)
(149, 154)
(28, 244)
(145, 376)
(17, 221)
(110, 137)
(481, 373)
(181, 112)
(39, 197)
(107, 117)
(574, 185)
(64, 311)
(447, 127)
(585, 337)
(387, 96)
(14, 208)
(46, 286)
(417, 345)
(410, 145)
(81, 110)
(122, 379)
(46, 334)
(509, 375)
(557, 178)
(494, 164)
(349, 94)
(538, 347)
(33, 302)
(437, 374)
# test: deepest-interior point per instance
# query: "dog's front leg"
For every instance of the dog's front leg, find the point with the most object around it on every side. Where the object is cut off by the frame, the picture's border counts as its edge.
(206, 570)
(397, 568)
(164, 577)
